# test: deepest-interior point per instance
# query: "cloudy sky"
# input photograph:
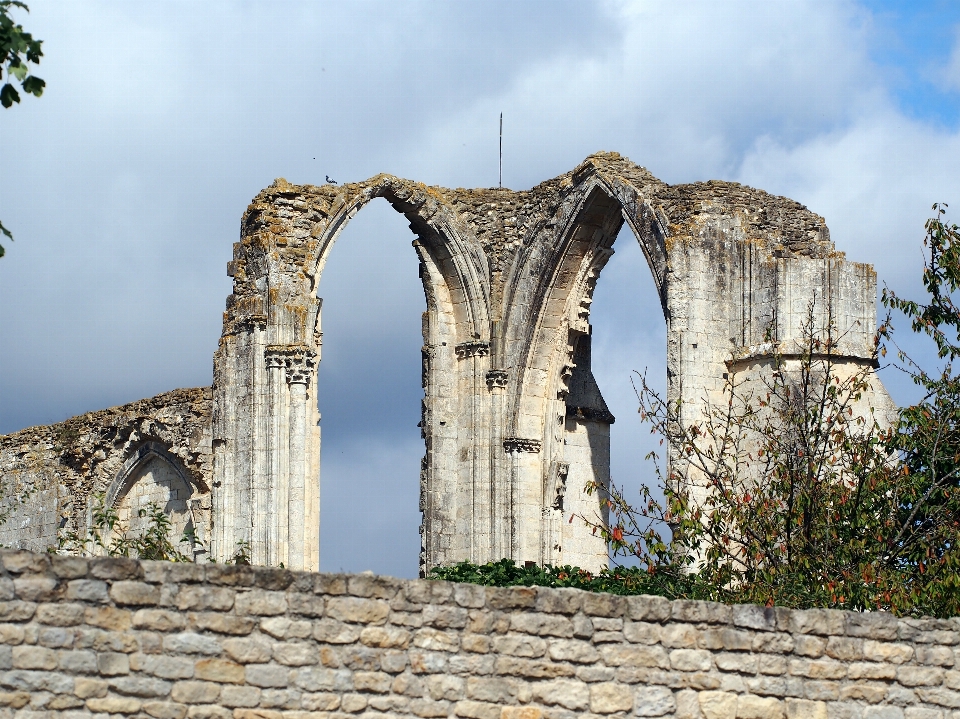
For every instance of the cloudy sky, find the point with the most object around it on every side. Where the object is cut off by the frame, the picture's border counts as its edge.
(124, 184)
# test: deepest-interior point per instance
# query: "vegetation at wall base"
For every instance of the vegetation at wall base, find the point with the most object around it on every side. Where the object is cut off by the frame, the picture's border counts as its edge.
(672, 584)
(616, 580)
(108, 536)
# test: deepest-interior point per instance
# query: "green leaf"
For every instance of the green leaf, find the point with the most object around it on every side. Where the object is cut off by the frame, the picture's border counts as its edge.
(17, 50)
(8, 95)
(18, 69)
(34, 85)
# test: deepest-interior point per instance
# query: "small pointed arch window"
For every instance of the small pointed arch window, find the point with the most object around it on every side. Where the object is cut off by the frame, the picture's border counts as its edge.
(154, 476)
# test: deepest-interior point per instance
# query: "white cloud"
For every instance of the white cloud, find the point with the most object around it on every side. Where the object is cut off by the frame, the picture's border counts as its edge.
(683, 92)
(874, 181)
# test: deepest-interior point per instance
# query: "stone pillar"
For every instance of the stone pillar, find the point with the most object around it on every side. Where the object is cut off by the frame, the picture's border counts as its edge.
(473, 520)
(296, 505)
(265, 472)
(302, 514)
(275, 519)
(526, 498)
(497, 380)
(238, 451)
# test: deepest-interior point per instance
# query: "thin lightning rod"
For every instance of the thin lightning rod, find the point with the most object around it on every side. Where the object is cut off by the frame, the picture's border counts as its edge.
(501, 150)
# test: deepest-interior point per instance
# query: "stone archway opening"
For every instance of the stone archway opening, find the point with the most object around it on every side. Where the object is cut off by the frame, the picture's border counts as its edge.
(369, 393)
(628, 335)
(576, 437)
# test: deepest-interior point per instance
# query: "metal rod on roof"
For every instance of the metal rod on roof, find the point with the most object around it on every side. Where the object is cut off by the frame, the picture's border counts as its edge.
(501, 149)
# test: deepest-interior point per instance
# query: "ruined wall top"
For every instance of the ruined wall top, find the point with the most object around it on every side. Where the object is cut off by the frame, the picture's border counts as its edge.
(82, 443)
(786, 226)
(288, 226)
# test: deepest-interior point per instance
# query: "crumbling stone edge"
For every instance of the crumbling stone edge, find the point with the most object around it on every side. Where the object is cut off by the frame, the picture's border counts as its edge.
(106, 636)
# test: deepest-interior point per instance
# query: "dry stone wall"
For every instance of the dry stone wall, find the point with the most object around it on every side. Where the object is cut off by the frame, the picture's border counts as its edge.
(117, 637)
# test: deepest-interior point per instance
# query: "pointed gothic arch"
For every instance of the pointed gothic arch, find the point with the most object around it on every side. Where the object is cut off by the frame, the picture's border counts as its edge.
(559, 403)
(289, 233)
(153, 475)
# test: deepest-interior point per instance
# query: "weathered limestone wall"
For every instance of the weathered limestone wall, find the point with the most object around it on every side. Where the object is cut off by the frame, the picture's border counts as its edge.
(154, 449)
(128, 638)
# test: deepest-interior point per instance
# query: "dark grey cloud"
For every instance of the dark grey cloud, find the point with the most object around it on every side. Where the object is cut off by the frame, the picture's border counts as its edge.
(125, 184)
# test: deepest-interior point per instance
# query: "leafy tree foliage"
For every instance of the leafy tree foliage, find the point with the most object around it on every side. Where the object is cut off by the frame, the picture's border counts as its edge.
(17, 50)
(928, 433)
(782, 493)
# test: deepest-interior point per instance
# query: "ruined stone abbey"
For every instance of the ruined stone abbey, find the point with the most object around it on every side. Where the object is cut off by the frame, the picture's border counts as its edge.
(514, 424)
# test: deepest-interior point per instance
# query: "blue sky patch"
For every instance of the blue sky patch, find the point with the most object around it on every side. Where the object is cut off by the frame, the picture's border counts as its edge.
(912, 42)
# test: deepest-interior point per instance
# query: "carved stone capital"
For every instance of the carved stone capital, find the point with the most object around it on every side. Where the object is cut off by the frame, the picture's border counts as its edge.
(273, 360)
(497, 378)
(521, 444)
(299, 374)
(475, 348)
(299, 361)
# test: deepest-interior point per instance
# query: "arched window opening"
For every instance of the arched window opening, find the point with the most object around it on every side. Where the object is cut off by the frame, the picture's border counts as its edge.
(153, 479)
(370, 394)
(628, 335)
